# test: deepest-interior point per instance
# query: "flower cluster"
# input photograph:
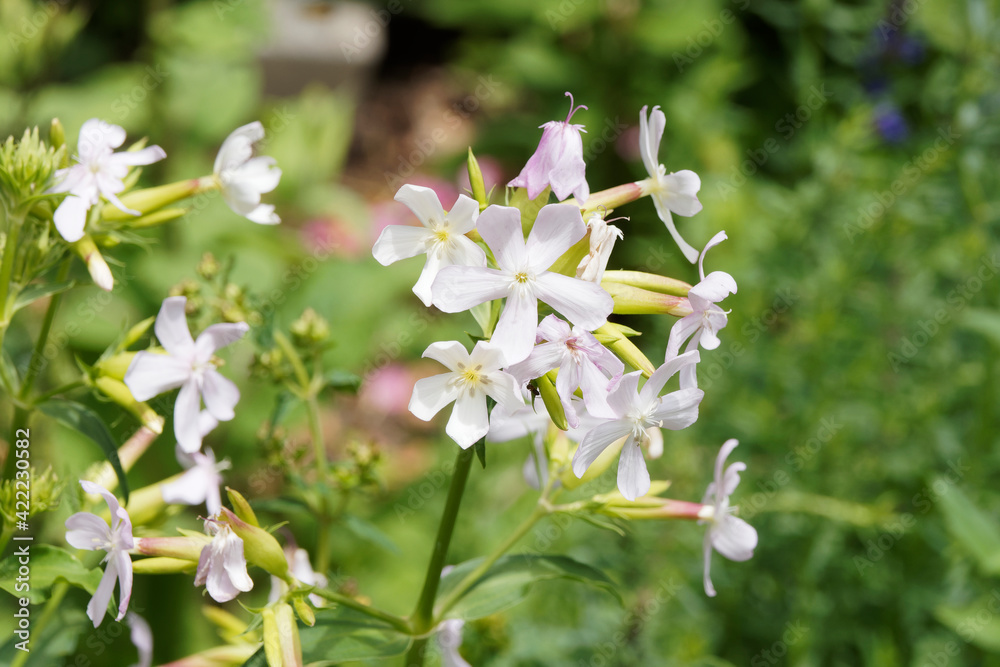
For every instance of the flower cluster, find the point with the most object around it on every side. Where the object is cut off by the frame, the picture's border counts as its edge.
(506, 263)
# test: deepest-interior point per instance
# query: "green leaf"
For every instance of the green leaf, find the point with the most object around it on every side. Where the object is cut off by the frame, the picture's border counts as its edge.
(342, 634)
(33, 293)
(971, 527)
(48, 565)
(371, 533)
(57, 640)
(510, 579)
(8, 373)
(343, 380)
(972, 624)
(81, 418)
(481, 452)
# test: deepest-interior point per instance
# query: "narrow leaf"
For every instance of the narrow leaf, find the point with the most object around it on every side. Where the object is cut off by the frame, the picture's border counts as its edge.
(81, 418)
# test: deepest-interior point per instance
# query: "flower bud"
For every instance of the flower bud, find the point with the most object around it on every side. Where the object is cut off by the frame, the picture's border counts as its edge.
(242, 507)
(614, 338)
(272, 637)
(209, 267)
(163, 565)
(304, 611)
(310, 329)
(476, 182)
(635, 301)
(553, 404)
(648, 281)
(99, 271)
(288, 630)
(154, 219)
(607, 200)
(187, 548)
(118, 392)
(148, 200)
(230, 627)
(259, 546)
(57, 135)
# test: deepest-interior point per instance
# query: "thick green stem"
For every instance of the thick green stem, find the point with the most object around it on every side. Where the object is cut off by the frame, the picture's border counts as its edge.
(393, 620)
(473, 577)
(7, 268)
(423, 615)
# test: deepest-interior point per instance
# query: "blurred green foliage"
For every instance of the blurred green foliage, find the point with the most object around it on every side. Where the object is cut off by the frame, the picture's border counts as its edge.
(849, 149)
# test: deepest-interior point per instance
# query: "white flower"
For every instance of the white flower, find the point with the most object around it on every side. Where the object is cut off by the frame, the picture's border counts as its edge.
(636, 411)
(582, 362)
(557, 162)
(731, 536)
(442, 237)
(702, 326)
(677, 192)
(88, 531)
(449, 640)
(471, 379)
(200, 484)
(523, 277)
(222, 567)
(602, 242)
(298, 562)
(142, 639)
(243, 177)
(100, 172)
(188, 365)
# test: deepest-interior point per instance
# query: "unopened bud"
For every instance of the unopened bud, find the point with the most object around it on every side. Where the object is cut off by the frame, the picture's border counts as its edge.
(259, 546)
(288, 630)
(553, 404)
(163, 565)
(625, 349)
(57, 135)
(208, 267)
(304, 611)
(118, 392)
(99, 271)
(635, 301)
(187, 548)
(476, 182)
(310, 329)
(242, 507)
(648, 281)
(148, 200)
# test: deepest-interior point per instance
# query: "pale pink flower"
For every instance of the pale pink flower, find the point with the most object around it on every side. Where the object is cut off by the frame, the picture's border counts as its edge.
(557, 162)
(200, 483)
(243, 177)
(602, 242)
(88, 531)
(222, 567)
(99, 172)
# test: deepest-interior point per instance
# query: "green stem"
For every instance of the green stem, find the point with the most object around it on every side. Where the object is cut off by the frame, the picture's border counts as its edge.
(69, 386)
(393, 620)
(7, 268)
(422, 620)
(6, 534)
(34, 366)
(51, 607)
(473, 577)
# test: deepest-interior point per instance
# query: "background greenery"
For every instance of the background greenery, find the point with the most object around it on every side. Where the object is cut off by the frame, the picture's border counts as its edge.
(858, 370)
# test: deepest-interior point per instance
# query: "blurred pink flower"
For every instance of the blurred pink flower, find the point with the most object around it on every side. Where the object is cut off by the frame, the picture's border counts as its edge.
(332, 236)
(387, 390)
(627, 145)
(493, 174)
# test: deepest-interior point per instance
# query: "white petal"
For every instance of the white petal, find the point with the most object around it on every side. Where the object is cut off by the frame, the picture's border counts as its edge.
(654, 385)
(714, 241)
(681, 192)
(142, 638)
(503, 389)
(87, 531)
(191, 488)
(596, 441)
(263, 214)
(515, 330)
(220, 394)
(543, 358)
(422, 201)
(236, 564)
(458, 288)
(124, 570)
(734, 538)
(172, 328)
(449, 353)
(109, 498)
(463, 215)
(633, 477)
(71, 217)
(488, 355)
(594, 385)
(678, 409)
(143, 156)
(707, 556)
(431, 394)
(464, 251)
(398, 242)
(217, 337)
(581, 302)
(151, 374)
(553, 329)
(259, 174)
(500, 227)
(683, 329)
(663, 210)
(238, 146)
(186, 417)
(423, 288)
(715, 287)
(650, 135)
(655, 445)
(623, 397)
(469, 419)
(97, 135)
(98, 604)
(720, 462)
(556, 229)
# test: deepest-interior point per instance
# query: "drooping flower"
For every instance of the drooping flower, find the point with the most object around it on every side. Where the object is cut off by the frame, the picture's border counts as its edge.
(730, 535)
(88, 531)
(635, 411)
(677, 192)
(702, 326)
(557, 162)
(449, 640)
(471, 378)
(222, 567)
(99, 172)
(188, 365)
(442, 237)
(583, 364)
(243, 177)
(523, 277)
(142, 639)
(200, 484)
(602, 242)
(298, 563)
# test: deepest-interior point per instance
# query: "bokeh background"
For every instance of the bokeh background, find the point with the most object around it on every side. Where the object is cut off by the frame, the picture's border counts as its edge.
(850, 151)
